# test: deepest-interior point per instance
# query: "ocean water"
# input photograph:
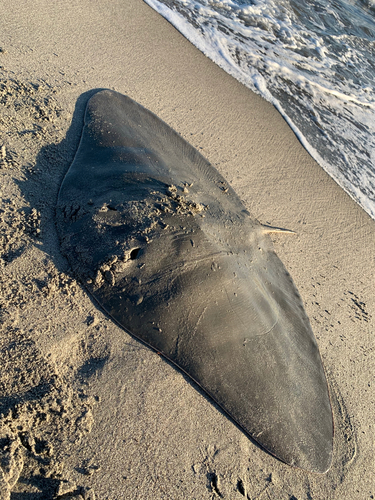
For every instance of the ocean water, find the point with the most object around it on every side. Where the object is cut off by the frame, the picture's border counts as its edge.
(314, 60)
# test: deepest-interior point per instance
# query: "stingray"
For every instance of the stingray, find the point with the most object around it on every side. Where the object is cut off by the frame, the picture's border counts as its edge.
(167, 248)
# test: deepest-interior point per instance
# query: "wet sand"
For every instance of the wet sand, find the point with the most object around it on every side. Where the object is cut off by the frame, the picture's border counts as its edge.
(86, 411)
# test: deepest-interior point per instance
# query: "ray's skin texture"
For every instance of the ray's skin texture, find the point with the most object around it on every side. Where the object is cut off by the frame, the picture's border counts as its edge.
(165, 245)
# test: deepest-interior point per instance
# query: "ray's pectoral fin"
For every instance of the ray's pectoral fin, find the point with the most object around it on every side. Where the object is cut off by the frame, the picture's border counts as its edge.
(145, 222)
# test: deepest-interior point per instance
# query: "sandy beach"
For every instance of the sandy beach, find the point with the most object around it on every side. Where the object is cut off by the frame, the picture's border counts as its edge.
(87, 411)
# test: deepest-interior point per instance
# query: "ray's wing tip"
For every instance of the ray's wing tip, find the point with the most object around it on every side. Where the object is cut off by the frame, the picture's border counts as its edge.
(314, 466)
(106, 94)
(311, 455)
(317, 463)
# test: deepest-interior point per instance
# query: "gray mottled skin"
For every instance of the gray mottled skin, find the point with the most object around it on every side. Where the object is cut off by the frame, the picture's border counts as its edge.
(168, 249)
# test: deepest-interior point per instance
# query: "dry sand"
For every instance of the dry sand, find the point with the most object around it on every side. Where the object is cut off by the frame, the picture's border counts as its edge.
(86, 411)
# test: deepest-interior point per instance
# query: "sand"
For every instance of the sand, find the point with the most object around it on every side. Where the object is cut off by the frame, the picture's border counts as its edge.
(86, 411)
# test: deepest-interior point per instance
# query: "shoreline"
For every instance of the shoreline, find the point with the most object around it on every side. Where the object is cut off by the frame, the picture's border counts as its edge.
(88, 409)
